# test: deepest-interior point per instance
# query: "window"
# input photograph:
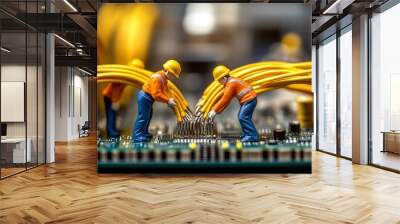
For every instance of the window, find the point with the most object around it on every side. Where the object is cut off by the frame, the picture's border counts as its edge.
(346, 92)
(327, 96)
(385, 89)
(22, 92)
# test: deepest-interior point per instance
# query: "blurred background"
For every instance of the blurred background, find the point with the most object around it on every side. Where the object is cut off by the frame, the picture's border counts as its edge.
(201, 36)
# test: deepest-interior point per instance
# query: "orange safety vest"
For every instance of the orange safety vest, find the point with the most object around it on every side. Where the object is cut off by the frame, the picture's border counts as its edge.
(157, 87)
(238, 88)
(113, 91)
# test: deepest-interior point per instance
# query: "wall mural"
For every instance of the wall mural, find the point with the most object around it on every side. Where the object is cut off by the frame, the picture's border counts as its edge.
(204, 88)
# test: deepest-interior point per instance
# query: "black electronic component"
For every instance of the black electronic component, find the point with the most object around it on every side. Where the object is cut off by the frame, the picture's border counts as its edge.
(163, 155)
(293, 154)
(279, 134)
(151, 155)
(227, 155)
(301, 154)
(294, 127)
(238, 155)
(139, 155)
(276, 154)
(178, 155)
(216, 153)
(265, 154)
(192, 155)
(109, 155)
(121, 155)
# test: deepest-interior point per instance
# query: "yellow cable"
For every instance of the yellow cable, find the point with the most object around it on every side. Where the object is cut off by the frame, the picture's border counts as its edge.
(139, 80)
(241, 72)
(303, 88)
(263, 76)
(141, 73)
(214, 95)
(284, 76)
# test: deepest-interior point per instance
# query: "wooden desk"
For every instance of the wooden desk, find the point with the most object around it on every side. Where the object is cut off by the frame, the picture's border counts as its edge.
(16, 147)
(391, 141)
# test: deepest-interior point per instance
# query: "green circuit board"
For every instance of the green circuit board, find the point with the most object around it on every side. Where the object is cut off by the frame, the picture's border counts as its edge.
(203, 156)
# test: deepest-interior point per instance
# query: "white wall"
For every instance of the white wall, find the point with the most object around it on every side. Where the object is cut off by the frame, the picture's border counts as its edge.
(71, 102)
(12, 73)
(80, 110)
(33, 127)
(62, 81)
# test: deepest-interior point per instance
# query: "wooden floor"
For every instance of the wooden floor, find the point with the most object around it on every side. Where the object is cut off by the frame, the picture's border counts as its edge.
(5, 172)
(70, 191)
(386, 159)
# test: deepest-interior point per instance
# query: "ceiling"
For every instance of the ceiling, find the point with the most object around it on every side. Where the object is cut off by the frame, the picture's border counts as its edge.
(74, 21)
(332, 15)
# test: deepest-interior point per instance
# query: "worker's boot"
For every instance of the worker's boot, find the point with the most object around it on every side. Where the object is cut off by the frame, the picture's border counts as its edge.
(112, 133)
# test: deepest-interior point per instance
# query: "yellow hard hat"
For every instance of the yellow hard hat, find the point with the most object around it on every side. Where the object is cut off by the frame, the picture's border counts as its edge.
(291, 41)
(136, 63)
(220, 71)
(173, 66)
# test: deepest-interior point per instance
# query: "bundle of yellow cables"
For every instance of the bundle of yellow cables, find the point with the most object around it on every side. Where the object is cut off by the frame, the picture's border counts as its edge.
(136, 77)
(263, 77)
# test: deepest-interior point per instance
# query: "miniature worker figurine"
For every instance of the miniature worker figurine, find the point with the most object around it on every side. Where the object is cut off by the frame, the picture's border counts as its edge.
(155, 89)
(112, 95)
(247, 98)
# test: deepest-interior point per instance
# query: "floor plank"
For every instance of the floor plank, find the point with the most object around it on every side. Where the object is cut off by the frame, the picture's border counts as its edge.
(71, 191)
